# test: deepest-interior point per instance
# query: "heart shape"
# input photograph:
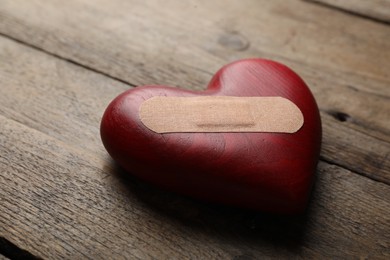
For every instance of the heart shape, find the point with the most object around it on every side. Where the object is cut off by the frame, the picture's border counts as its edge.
(270, 172)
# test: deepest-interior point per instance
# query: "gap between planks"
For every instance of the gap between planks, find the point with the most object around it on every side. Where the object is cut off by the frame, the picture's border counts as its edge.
(9, 250)
(351, 170)
(352, 10)
(66, 59)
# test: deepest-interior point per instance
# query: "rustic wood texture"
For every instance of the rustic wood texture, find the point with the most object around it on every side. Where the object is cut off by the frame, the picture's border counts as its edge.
(61, 62)
(375, 9)
(346, 66)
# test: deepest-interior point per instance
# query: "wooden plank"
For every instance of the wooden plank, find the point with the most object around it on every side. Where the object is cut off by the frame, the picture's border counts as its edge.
(341, 86)
(376, 9)
(355, 150)
(59, 202)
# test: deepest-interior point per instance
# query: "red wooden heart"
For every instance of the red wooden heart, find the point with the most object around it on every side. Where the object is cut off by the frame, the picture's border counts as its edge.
(270, 172)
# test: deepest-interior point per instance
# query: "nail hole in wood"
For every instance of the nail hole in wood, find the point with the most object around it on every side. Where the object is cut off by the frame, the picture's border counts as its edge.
(340, 116)
(234, 41)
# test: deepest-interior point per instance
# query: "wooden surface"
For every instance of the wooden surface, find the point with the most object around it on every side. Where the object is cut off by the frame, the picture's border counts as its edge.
(373, 9)
(61, 62)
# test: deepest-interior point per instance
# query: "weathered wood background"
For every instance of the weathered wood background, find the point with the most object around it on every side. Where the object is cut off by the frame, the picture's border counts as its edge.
(61, 62)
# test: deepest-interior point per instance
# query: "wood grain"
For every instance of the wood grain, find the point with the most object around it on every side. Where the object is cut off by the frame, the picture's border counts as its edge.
(101, 36)
(375, 9)
(62, 197)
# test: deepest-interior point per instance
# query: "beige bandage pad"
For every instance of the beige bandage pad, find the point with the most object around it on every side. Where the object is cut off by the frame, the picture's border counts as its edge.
(220, 114)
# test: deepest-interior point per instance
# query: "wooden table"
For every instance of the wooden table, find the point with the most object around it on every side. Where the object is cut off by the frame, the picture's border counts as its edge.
(61, 62)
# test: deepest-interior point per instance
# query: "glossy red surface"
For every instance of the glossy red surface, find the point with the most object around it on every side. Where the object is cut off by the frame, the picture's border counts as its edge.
(262, 171)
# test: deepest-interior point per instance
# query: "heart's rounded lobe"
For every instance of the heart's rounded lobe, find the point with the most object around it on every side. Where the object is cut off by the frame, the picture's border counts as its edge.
(270, 172)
